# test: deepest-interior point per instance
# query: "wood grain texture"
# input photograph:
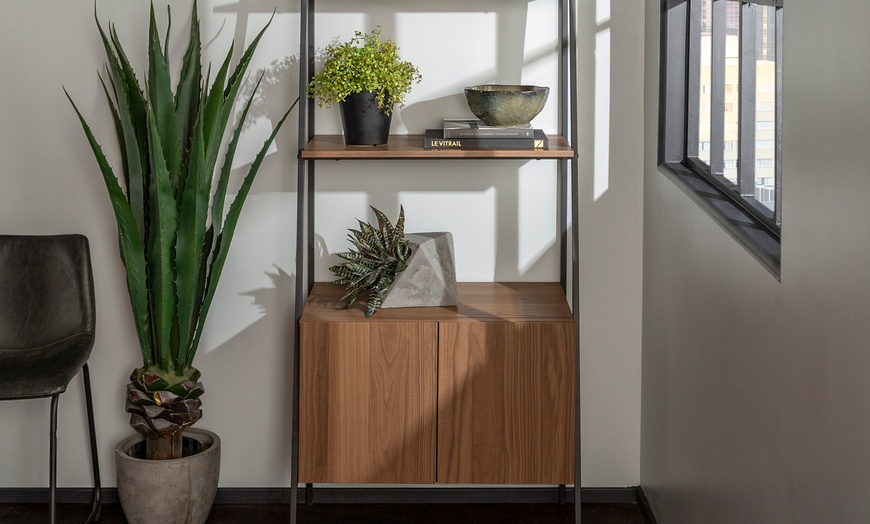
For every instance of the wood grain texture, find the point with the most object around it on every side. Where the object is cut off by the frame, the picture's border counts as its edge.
(411, 146)
(368, 402)
(478, 302)
(506, 403)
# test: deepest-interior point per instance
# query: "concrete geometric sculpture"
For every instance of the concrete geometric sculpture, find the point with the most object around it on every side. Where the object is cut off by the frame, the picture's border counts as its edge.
(430, 278)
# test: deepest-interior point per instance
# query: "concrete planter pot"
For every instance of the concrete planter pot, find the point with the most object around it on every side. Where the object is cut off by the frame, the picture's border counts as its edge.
(177, 491)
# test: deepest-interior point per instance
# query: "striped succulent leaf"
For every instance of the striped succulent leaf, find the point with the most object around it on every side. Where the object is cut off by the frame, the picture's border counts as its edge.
(381, 253)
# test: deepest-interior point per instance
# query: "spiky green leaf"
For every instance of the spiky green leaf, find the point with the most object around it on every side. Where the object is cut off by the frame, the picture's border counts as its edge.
(222, 116)
(162, 104)
(213, 126)
(130, 108)
(193, 217)
(226, 168)
(188, 91)
(132, 251)
(161, 247)
(388, 232)
(225, 236)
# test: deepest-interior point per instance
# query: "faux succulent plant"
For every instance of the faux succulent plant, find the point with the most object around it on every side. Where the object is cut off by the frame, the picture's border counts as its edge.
(173, 232)
(381, 253)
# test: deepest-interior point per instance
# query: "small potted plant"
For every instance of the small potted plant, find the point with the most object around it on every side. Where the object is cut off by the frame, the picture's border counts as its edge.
(366, 78)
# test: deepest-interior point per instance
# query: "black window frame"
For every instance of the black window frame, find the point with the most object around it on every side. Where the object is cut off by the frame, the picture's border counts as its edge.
(732, 205)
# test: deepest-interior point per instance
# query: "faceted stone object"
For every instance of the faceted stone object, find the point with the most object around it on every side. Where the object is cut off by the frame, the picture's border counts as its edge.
(430, 278)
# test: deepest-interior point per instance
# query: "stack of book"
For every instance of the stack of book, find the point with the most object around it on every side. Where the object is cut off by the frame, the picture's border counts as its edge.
(463, 133)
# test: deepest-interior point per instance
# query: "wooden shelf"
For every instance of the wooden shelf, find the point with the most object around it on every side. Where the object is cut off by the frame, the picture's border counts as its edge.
(484, 392)
(478, 302)
(332, 147)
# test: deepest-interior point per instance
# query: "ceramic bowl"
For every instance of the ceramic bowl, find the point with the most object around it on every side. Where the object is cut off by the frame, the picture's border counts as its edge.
(506, 105)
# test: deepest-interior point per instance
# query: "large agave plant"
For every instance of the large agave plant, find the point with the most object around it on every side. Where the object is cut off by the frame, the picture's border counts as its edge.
(172, 231)
(381, 252)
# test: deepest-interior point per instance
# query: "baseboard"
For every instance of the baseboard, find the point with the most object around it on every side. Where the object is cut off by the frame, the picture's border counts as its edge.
(358, 495)
(645, 507)
(468, 495)
(64, 495)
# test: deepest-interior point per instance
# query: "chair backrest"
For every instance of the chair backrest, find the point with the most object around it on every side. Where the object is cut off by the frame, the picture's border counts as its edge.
(46, 289)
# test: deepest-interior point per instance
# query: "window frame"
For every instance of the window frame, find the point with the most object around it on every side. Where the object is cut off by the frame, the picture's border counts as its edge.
(733, 206)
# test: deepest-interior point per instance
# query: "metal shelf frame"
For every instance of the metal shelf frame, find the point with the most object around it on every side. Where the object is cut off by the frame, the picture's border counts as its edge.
(567, 169)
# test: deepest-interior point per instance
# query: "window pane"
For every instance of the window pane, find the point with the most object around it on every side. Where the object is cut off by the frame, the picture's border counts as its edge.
(704, 98)
(732, 88)
(765, 97)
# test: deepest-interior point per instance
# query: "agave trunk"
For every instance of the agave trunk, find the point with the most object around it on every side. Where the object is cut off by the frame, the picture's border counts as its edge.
(161, 408)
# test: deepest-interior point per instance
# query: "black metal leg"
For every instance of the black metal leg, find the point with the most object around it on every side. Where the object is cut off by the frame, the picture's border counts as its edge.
(309, 494)
(52, 460)
(96, 505)
(563, 494)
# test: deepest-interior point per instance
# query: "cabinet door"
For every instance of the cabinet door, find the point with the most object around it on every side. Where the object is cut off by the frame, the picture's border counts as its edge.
(506, 403)
(367, 402)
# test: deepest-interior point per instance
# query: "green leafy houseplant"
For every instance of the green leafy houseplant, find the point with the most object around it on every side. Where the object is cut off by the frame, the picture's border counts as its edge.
(172, 231)
(364, 63)
(381, 253)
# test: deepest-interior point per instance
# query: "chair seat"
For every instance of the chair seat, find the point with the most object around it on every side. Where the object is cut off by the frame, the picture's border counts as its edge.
(42, 371)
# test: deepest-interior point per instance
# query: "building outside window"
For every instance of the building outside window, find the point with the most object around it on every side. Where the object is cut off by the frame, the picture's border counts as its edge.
(722, 69)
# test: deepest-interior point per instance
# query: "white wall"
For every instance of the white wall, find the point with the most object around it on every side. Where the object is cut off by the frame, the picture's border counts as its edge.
(501, 213)
(755, 392)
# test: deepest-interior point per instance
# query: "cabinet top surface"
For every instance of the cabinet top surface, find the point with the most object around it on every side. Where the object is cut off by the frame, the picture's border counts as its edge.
(478, 302)
(328, 147)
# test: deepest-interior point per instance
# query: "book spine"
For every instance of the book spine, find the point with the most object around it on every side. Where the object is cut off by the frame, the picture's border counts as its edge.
(488, 133)
(484, 143)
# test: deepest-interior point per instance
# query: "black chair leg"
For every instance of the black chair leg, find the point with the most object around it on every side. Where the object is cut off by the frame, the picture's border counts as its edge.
(96, 505)
(52, 476)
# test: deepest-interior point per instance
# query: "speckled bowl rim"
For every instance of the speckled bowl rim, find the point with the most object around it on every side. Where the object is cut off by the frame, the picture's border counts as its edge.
(513, 88)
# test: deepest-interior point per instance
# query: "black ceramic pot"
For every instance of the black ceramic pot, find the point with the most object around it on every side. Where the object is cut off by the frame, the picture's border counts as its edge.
(364, 123)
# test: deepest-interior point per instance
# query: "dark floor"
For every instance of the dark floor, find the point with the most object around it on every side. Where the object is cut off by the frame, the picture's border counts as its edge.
(355, 514)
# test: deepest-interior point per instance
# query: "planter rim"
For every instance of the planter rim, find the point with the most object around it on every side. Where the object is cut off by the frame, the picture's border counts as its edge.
(129, 442)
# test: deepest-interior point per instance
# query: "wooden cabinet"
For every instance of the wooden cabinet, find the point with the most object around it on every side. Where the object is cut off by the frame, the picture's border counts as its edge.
(368, 402)
(506, 403)
(478, 393)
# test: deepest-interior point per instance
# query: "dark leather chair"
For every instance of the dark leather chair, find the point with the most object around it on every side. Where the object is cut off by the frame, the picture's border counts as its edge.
(47, 329)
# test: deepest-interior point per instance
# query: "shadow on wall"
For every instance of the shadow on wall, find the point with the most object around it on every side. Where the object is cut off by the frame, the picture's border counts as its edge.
(252, 343)
(235, 354)
(273, 90)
